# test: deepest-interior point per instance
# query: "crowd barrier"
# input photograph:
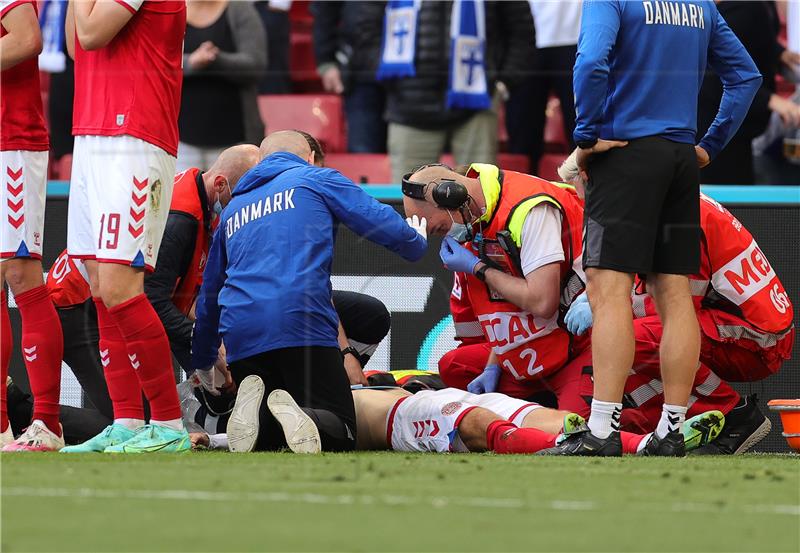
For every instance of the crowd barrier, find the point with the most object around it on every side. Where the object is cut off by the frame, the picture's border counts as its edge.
(417, 294)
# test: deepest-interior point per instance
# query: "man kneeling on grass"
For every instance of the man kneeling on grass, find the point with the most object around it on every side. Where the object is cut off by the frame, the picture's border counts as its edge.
(441, 421)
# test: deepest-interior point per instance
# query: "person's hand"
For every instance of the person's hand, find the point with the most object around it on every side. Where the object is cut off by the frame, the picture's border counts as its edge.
(332, 80)
(419, 225)
(204, 378)
(486, 382)
(788, 111)
(703, 159)
(355, 372)
(456, 257)
(579, 315)
(205, 54)
(583, 155)
(199, 440)
(790, 59)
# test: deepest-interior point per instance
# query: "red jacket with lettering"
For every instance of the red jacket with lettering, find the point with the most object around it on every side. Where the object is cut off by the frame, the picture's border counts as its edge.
(736, 292)
(527, 346)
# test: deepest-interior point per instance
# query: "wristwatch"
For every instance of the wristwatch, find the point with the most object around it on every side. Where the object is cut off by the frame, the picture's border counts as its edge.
(351, 350)
(586, 144)
(481, 273)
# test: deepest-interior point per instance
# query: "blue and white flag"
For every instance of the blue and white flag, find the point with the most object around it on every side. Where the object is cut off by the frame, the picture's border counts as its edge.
(51, 20)
(468, 88)
(399, 39)
(467, 85)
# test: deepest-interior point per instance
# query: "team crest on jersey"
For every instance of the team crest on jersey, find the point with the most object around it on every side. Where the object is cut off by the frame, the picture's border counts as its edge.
(155, 195)
(451, 408)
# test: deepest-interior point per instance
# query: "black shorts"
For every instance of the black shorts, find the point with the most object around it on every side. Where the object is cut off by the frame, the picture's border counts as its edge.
(642, 210)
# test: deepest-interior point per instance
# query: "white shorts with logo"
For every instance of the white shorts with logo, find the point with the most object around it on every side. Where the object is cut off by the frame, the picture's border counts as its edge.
(119, 200)
(23, 198)
(428, 420)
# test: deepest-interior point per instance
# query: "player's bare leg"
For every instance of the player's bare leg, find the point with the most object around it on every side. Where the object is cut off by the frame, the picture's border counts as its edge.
(43, 348)
(679, 351)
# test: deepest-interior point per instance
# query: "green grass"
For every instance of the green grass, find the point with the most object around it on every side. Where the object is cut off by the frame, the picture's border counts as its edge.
(397, 502)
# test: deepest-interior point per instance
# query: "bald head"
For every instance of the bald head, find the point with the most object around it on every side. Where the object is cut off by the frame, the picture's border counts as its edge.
(285, 141)
(439, 220)
(235, 162)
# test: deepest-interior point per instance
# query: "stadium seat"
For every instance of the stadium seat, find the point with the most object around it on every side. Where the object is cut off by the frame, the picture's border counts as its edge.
(63, 167)
(548, 166)
(362, 168)
(302, 64)
(511, 162)
(318, 114)
(555, 141)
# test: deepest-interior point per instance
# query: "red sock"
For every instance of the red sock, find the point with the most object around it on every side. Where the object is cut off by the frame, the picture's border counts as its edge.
(123, 385)
(43, 350)
(505, 437)
(148, 350)
(630, 442)
(6, 345)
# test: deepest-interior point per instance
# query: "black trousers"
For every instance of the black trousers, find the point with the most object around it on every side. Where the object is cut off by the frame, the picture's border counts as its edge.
(525, 110)
(316, 379)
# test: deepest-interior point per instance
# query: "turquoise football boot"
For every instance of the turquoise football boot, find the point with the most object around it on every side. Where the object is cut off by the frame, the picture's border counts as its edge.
(153, 438)
(114, 434)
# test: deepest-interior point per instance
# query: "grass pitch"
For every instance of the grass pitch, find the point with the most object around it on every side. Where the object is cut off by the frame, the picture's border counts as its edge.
(397, 502)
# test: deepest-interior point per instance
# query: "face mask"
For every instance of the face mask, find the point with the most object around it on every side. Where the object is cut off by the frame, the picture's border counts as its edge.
(459, 231)
(217, 207)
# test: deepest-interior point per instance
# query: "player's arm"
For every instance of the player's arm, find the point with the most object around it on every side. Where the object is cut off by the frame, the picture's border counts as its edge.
(599, 26)
(23, 39)
(69, 30)
(97, 22)
(740, 82)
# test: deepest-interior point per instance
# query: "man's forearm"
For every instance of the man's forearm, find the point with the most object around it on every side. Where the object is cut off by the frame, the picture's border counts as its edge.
(515, 290)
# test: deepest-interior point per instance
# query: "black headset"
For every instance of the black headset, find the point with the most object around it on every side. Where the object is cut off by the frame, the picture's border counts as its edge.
(447, 193)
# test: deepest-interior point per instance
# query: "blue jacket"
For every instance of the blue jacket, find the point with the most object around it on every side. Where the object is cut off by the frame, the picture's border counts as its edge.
(267, 281)
(640, 66)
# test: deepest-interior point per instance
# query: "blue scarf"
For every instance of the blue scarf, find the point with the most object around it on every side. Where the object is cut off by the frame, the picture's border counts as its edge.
(52, 18)
(467, 87)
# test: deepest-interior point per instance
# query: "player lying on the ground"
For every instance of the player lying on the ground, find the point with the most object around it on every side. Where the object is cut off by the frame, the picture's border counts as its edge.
(441, 421)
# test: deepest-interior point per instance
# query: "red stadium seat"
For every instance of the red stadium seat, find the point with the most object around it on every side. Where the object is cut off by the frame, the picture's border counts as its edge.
(548, 166)
(63, 169)
(302, 64)
(362, 168)
(511, 162)
(554, 138)
(318, 114)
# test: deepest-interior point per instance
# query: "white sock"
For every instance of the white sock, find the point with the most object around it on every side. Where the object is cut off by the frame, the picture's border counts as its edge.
(604, 418)
(672, 417)
(644, 441)
(174, 424)
(130, 424)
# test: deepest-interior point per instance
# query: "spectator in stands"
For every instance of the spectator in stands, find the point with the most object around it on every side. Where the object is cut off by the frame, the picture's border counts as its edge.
(225, 55)
(275, 17)
(549, 71)
(347, 46)
(440, 78)
(756, 25)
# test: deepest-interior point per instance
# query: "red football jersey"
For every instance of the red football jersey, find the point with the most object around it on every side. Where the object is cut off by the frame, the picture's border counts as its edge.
(133, 85)
(23, 126)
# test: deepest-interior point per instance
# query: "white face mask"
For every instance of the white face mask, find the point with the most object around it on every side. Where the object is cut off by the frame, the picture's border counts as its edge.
(459, 231)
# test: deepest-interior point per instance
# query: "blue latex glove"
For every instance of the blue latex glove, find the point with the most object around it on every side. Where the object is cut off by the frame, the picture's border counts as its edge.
(579, 315)
(456, 257)
(486, 382)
